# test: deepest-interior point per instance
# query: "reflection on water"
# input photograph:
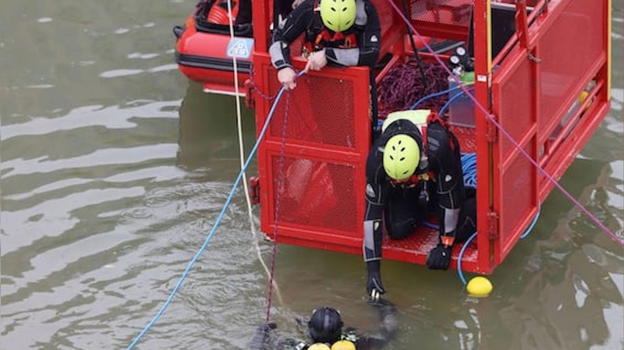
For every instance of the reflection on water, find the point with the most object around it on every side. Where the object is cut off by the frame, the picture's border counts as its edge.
(114, 167)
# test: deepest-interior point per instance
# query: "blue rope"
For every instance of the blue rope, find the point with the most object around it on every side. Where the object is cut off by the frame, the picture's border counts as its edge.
(435, 94)
(430, 225)
(216, 224)
(528, 230)
(461, 254)
(469, 168)
(450, 101)
(467, 243)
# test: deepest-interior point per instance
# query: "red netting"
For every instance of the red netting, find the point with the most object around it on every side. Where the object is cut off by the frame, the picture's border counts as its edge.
(452, 12)
(320, 111)
(318, 194)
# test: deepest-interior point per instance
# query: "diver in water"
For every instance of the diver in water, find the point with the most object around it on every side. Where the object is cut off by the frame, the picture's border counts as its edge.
(325, 332)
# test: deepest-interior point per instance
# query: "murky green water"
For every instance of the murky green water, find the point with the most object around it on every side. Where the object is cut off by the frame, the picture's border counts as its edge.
(114, 167)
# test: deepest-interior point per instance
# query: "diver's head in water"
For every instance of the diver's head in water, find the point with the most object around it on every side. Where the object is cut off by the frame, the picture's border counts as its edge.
(325, 325)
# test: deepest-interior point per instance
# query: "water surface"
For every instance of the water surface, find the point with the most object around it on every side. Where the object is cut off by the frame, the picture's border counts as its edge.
(114, 167)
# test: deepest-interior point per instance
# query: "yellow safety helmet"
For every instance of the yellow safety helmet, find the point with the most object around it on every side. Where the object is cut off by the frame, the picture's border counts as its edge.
(338, 15)
(343, 345)
(319, 346)
(401, 157)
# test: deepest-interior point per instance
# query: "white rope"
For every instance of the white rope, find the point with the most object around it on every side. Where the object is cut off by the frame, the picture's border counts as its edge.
(241, 151)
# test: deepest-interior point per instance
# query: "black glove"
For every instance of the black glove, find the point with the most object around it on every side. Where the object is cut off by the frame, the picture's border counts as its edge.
(374, 287)
(261, 338)
(268, 326)
(439, 257)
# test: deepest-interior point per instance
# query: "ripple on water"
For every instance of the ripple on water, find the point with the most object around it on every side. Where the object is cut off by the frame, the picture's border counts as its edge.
(56, 215)
(143, 56)
(111, 117)
(100, 157)
(164, 67)
(116, 73)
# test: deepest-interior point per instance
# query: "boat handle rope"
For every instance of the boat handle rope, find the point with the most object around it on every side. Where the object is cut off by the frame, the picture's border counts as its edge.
(277, 213)
(241, 152)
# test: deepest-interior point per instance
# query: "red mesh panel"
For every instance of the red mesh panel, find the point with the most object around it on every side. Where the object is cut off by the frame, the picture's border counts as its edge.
(420, 242)
(320, 110)
(454, 12)
(569, 48)
(518, 194)
(516, 105)
(318, 194)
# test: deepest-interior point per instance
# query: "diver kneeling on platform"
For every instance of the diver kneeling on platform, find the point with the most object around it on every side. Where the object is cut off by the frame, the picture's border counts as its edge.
(325, 330)
(414, 167)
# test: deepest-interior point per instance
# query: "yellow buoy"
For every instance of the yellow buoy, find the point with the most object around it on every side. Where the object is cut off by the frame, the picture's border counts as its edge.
(343, 345)
(479, 287)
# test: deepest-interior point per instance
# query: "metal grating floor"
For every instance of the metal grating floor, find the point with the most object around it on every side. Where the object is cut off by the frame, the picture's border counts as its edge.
(420, 243)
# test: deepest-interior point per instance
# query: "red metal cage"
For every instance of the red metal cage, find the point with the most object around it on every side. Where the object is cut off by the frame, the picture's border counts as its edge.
(548, 87)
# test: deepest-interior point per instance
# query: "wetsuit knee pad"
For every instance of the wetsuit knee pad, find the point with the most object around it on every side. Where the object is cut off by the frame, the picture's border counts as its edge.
(467, 224)
(471, 192)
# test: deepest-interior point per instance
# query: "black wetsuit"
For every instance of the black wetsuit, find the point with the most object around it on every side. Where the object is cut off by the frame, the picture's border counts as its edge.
(264, 339)
(406, 206)
(304, 18)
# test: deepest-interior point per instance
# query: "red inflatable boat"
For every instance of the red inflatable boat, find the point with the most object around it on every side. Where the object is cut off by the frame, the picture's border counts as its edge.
(205, 51)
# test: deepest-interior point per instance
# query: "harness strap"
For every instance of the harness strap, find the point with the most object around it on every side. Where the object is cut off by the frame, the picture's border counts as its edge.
(425, 140)
(415, 179)
(435, 118)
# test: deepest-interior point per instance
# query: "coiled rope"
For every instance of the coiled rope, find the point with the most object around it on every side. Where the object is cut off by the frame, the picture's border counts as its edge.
(208, 238)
